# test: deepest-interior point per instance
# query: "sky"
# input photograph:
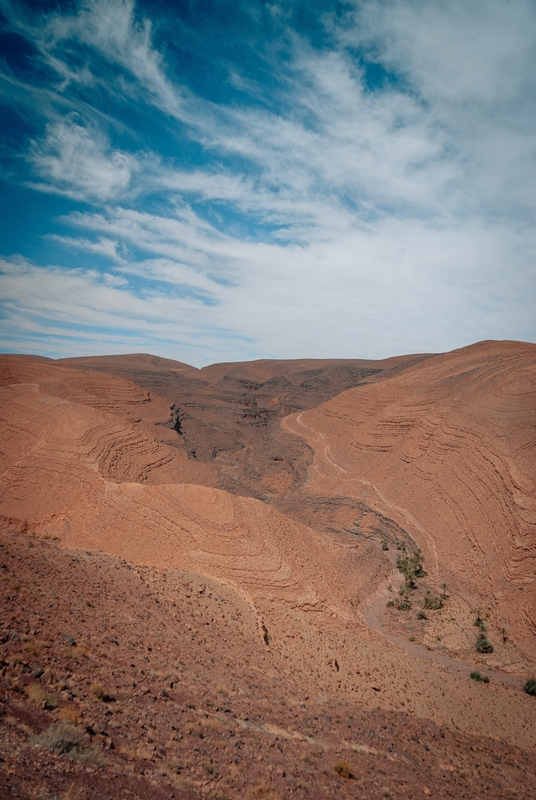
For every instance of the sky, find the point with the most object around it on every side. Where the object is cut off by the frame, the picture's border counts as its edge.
(213, 181)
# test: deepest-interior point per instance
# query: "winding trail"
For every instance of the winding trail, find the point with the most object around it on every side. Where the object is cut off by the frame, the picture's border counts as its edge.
(372, 607)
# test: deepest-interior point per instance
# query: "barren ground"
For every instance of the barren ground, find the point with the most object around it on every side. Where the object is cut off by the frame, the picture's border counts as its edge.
(196, 566)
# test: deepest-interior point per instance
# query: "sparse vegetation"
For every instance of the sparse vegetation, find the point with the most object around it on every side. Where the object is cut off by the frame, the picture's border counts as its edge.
(38, 695)
(483, 645)
(411, 566)
(100, 693)
(530, 687)
(476, 676)
(432, 602)
(479, 622)
(64, 738)
(421, 614)
(401, 604)
(343, 769)
(385, 546)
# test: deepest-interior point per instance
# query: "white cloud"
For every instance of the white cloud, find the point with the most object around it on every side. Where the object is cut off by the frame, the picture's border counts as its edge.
(102, 247)
(472, 64)
(77, 160)
(358, 223)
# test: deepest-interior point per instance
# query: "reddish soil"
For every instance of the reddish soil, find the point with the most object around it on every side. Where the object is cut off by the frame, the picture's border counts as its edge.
(176, 695)
(221, 567)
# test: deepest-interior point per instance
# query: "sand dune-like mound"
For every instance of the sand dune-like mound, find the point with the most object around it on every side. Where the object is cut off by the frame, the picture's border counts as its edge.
(447, 450)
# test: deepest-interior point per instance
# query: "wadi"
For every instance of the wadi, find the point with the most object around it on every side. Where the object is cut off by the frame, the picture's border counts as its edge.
(269, 579)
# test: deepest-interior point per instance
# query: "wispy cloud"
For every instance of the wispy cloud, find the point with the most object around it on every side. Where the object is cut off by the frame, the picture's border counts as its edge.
(76, 160)
(317, 213)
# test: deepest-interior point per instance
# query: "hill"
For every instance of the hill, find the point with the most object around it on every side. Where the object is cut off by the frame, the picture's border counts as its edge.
(220, 545)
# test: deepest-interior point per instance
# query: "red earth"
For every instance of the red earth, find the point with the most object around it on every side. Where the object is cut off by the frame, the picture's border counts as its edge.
(197, 566)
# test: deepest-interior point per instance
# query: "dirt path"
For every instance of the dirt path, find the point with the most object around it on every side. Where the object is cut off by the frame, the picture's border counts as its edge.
(371, 609)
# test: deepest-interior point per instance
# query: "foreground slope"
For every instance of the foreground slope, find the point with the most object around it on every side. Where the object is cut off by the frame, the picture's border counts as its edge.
(157, 682)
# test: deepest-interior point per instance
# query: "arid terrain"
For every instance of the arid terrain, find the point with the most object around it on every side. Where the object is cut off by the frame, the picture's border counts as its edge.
(270, 579)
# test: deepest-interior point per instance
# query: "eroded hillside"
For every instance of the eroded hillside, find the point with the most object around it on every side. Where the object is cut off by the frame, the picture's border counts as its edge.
(293, 487)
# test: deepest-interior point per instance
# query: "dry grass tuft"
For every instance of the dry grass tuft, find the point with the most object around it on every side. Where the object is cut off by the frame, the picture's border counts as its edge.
(343, 769)
(69, 714)
(38, 695)
(64, 738)
(100, 693)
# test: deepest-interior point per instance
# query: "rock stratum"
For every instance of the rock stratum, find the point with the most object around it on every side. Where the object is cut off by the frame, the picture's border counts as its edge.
(255, 513)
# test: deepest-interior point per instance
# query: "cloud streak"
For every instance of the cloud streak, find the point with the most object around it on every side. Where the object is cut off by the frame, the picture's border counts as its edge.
(320, 213)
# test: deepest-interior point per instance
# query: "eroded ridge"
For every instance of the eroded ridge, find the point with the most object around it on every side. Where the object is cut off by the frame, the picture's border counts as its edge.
(447, 450)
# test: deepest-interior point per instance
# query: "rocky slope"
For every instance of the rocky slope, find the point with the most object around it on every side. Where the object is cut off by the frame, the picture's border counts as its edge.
(252, 572)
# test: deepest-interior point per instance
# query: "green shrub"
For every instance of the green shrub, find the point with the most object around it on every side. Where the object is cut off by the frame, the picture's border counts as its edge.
(432, 602)
(479, 622)
(483, 645)
(476, 676)
(530, 687)
(421, 614)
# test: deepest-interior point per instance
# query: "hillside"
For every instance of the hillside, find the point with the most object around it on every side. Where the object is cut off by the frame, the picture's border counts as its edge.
(239, 525)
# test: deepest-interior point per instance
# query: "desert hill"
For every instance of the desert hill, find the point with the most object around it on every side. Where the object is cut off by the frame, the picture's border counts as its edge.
(228, 415)
(447, 450)
(287, 490)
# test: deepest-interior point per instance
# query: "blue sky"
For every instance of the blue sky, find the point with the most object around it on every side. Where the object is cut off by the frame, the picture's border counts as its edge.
(214, 181)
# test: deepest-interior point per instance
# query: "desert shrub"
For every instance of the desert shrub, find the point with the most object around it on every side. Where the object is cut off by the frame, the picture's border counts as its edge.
(411, 568)
(421, 614)
(476, 676)
(483, 645)
(385, 546)
(401, 604)
(431, 601)
(37, 694)
(343, 769)
(61, 737)
(479, 622)
(99, 693)
(530, 687)
(64, 738)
